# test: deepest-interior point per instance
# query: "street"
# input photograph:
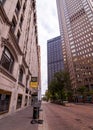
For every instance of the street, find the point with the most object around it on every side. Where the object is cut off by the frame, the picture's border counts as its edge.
(72, 117)
(55, 117)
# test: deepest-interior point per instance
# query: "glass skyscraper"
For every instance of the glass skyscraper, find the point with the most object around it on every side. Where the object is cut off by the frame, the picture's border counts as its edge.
(76, 28)
(54, 56)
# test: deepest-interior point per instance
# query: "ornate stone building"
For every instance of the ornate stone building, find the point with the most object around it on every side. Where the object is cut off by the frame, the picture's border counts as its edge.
(18, 53)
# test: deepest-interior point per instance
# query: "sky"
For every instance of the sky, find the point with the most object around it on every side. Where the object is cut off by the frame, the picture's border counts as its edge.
(48, 28)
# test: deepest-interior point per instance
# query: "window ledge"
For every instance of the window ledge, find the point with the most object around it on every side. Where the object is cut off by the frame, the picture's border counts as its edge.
(21, 84)
(6, 73)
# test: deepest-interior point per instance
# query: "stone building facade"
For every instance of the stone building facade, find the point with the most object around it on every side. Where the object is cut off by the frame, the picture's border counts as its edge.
(39, 73)
(18, 53)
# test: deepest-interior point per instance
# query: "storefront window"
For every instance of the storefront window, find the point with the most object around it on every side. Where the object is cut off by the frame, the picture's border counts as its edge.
(4, 102)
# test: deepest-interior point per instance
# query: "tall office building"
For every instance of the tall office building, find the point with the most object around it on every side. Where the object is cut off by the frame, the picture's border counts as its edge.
(76, 28)
(18, 53)
(54, 57)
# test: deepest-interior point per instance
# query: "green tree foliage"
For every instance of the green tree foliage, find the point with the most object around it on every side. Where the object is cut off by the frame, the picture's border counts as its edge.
(60, 86)
(47, 95)
(81, 90)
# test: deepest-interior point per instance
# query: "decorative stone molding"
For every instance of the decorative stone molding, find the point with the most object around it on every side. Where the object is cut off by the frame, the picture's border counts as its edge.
(6, 73)
(15, 42)
(3, 15)
(21, 84)
(7, 43)
(24, 62)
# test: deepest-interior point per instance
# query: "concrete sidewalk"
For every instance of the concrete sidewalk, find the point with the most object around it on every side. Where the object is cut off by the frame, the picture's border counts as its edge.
(20, 120)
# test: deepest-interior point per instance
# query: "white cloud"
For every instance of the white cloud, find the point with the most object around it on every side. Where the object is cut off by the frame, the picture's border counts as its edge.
(48, 28)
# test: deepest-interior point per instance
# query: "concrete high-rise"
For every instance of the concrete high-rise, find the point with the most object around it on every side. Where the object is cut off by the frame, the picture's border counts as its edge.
(54, 57)
(18, 53)
(76, 28)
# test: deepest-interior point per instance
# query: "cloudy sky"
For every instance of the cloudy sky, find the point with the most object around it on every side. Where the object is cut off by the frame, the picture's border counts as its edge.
(48, 28)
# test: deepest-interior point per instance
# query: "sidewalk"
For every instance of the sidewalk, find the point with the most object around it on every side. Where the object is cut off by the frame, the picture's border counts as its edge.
(21, 120)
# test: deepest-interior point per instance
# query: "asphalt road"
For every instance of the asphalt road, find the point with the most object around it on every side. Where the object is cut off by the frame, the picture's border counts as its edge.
(71, 117)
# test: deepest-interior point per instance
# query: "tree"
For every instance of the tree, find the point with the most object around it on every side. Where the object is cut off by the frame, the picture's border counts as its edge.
(47, 95)
(60, 86)
(81, 90)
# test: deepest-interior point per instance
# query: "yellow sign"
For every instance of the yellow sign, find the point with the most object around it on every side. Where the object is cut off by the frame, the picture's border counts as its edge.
(34, 83)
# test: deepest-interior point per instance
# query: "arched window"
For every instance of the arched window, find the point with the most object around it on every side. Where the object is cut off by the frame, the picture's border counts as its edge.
(20, 75)
(7, 60)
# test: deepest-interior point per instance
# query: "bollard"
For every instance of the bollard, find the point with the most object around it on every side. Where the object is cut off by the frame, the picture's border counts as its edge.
(36, 109)
(35, 112)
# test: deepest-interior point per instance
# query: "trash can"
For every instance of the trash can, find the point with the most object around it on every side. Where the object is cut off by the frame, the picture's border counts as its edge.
(35, 112)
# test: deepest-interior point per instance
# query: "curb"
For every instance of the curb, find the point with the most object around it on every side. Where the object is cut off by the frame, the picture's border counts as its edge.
(43, 126)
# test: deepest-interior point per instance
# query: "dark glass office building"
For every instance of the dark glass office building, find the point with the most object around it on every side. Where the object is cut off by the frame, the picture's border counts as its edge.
(54, 56)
